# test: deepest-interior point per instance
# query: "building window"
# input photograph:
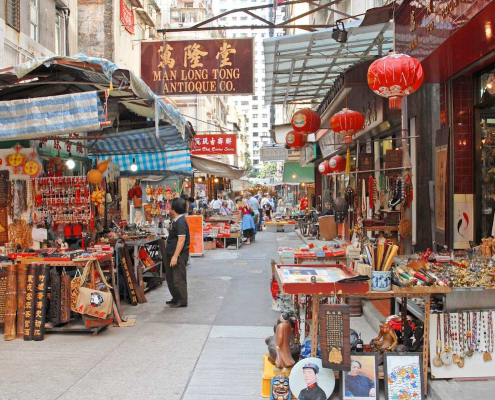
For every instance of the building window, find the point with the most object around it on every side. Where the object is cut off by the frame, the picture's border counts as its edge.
(255, 115)
(256, 144)
(13, 9)
(255, 97)
(256, 161)
(243, 34)
(244, 18)
(255, 125)
(244, 103)
(256, 152)
(59, 27)
(256, 134)
(234, 18)
(264, 125)
(34, 19)
(255, 107)
(265, 115)
(223, 19)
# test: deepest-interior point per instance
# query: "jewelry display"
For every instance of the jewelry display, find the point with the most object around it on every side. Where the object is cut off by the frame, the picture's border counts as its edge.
(446, 355)
(437, 361)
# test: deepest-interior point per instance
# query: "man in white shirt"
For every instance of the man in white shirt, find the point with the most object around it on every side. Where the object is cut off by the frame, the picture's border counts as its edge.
(217, 204)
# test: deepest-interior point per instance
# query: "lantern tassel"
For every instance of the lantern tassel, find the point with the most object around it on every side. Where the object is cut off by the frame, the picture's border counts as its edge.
(395, 103)
(348, 163)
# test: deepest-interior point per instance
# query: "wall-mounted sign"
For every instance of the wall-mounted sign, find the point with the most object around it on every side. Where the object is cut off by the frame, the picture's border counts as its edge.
(127, 17)
(214, 144)
(330, 143)
(308, 154)
(273, 154)
(187, 67)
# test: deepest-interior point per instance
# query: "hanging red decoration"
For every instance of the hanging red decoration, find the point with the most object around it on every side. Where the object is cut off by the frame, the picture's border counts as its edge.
(306, 120)
(347, 123)
(324, 167)
(295, 139)
(395, 76)
(337, 164)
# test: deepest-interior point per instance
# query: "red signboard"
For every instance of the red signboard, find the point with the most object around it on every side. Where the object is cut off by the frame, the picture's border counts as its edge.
(445, 35)
(214, 144)
(127, 17)
(188, 67)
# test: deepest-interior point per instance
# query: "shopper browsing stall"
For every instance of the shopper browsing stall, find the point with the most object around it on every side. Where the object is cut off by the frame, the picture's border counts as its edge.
(216, 204)
(254, 205)
(247, 222)
(177, 255)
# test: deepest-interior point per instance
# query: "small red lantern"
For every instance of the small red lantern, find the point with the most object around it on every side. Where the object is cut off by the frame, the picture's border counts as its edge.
(324, 167)
(395, 76)
(295, 139)
(347, 123)
(306, 120)
(337, 164)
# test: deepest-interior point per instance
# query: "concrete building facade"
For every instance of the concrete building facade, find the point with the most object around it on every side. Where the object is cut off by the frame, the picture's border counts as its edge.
(37, 28)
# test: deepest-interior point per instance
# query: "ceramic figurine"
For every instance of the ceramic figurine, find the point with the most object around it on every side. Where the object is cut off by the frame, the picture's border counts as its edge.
(282, 346)
(386, 339)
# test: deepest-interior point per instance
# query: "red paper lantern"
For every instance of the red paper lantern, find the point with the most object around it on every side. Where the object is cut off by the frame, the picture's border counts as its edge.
(295, 139)
(347, 123)
(395, 76)
(324, 167)
(306, 120)
(337, 164)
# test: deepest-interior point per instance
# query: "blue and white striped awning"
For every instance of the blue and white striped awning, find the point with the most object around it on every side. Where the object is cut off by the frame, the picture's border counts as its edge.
(140, 141)
(45, 116)
(173, 161)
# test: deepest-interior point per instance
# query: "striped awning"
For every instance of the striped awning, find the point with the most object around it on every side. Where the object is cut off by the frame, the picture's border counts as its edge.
(157, 163)
(140, 141)
(45, 116)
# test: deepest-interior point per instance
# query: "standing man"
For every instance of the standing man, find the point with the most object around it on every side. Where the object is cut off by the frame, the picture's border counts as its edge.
(177, 255)
(253, 203)
(216, 204)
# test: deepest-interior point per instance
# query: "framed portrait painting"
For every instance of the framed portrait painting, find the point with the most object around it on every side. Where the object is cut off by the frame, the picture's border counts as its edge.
(362, 381)
(404, 376)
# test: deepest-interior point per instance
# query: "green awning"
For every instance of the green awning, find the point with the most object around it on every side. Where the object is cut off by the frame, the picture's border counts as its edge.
(294, 173)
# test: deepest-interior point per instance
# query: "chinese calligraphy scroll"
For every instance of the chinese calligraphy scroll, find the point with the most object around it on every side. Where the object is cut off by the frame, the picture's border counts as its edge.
(187, 67)
(40, 303)
(21, 298)
(29, 307)
(214, 144)
(335, 336)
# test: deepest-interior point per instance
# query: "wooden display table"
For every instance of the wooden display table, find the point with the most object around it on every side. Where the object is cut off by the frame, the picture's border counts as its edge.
(318, 290)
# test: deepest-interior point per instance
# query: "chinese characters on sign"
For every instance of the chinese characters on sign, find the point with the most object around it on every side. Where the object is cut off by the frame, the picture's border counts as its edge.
(198, 66)
(127, 17)
(214, 144)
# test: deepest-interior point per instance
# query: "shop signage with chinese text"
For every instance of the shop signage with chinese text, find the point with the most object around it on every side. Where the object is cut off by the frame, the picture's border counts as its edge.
(127, 17)
(199, 66)
(273, 154)
(308, 154)
(214, 144)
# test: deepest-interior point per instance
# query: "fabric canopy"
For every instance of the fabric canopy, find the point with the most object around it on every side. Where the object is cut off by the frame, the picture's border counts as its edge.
(294, 173)
(216, 168)
(140, 106)
(239, 185)
(54, 115)
(155, 163)
(140, 141)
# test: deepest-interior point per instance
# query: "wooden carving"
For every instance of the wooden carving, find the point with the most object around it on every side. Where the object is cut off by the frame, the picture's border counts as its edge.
(29, 308)
(10, 303)
(54, 297)
(40, 301)
(21, 298)
(334, 336)
(64, 298)
(283, 334)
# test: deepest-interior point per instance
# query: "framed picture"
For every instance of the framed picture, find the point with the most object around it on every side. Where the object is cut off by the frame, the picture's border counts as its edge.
(362, 381)
(309, 380)
(404, 374)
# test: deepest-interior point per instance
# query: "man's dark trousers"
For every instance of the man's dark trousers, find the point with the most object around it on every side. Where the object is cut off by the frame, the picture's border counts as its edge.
(177, 277)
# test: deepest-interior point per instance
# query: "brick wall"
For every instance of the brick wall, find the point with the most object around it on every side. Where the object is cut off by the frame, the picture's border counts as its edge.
(95, 25)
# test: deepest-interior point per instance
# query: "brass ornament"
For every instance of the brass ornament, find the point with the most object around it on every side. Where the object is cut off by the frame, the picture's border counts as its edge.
(455, 358)
(335, 356)
(487, 357)
(460, 362)
(437, 361)
(470, 353)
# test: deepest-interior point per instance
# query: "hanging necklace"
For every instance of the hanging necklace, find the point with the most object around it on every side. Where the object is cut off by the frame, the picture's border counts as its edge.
(455, 341)
(462, 341)
(446, 355)
(488, 336)
(469, 335)
(475, 340)
(437, 361)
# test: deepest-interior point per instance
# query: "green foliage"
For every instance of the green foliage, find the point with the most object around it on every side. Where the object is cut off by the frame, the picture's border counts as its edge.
(268, 170)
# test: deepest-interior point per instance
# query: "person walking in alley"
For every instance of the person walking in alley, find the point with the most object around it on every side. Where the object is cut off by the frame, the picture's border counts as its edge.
(247, 222)
(255, 207)
(177, 255)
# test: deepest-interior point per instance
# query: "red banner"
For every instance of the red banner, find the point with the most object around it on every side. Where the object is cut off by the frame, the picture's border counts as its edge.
(127, 17)
(214, 144)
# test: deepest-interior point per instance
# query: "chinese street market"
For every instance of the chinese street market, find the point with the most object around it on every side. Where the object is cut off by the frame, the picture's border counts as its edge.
(73, 181)
(367, 173)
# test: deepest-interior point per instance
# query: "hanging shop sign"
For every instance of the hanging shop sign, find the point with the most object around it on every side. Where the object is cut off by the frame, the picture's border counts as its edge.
(214, 144)
(273, 154)
(330, 143)
(187, 67)
(308, 154)
(127, 17)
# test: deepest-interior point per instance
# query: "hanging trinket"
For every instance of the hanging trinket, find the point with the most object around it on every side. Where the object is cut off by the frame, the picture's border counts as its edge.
(437, 361)
(446, 355)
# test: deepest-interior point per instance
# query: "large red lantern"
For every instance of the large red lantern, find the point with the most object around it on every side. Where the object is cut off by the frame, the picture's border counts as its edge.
(306, 120)
(347, 123)
(337, 164)
(395, 76)
(295, 139)
(324, 168)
